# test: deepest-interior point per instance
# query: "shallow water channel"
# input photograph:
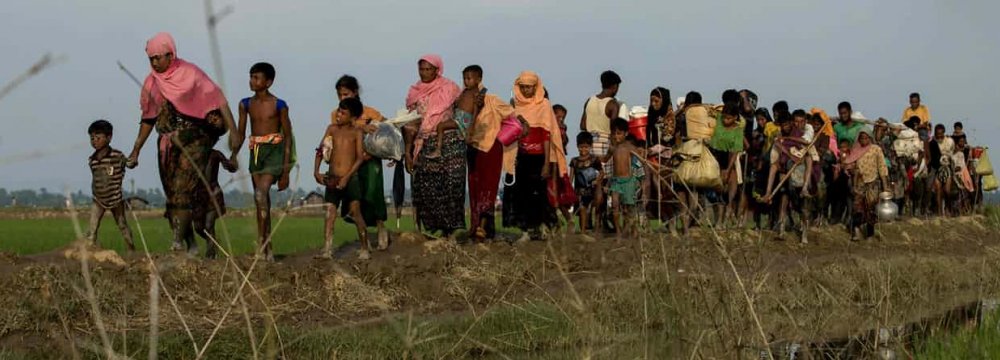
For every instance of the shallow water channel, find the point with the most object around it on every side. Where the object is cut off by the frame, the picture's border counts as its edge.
(887, 342)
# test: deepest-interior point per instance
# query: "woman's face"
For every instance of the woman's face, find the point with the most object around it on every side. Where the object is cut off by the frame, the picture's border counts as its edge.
(864, 139)
(655, 102)
(528, 91)
(761, 120)
(161, 62)
(344, 93)
(427, 71)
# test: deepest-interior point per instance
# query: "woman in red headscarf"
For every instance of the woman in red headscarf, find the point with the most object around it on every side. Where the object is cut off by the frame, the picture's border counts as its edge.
(539, 156)
(438, 182)
(190, 113)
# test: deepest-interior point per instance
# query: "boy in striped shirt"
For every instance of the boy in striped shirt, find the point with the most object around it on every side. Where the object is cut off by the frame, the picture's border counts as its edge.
(107, 166)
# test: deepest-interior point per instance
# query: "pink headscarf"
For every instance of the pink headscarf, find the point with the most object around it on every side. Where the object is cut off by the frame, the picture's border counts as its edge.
(183, 84)
(432, 100)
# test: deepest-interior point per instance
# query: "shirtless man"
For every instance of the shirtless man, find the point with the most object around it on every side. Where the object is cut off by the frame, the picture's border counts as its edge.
(270, 146)
(342, 185)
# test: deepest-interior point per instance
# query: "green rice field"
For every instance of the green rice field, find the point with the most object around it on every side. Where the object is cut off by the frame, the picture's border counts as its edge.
(292, 234)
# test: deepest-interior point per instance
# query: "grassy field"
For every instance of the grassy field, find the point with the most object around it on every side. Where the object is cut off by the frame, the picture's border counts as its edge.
(293, 234)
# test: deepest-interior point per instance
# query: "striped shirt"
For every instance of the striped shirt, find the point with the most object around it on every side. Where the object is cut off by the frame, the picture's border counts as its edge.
(108, 173)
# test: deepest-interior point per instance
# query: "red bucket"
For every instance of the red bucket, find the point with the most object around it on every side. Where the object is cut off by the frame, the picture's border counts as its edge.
(637, 127)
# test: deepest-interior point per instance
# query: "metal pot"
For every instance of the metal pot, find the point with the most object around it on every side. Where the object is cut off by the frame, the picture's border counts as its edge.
(886, 209)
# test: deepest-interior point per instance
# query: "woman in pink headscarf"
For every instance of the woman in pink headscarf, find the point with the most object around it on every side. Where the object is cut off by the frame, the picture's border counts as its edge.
(438, 182)
(189, 113)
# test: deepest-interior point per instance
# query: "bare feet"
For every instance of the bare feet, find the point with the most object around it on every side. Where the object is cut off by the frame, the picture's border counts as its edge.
(176, 246)
(363, 254)
(383, 240)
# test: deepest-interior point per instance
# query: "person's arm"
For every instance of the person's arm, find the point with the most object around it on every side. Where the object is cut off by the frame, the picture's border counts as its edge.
(286, 129)
(241, 129)
(319, 159)
(611, 110)
(547, 168)
(583, 117)
(145, 128)
(235, 140)
(359, 154)
(770, 181)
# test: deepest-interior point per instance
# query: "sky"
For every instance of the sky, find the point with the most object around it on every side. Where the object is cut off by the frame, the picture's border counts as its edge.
(808, 52)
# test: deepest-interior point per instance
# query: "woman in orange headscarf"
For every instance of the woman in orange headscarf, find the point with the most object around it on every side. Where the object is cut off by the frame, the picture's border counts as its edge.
(539, 156)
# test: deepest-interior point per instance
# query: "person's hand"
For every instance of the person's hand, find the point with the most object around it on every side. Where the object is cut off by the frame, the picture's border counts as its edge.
(234, 163)
(342, 183)
(228, 165)
(391, 163)
(132, 161)
(546, 171)
(283, 182)
(320, 179)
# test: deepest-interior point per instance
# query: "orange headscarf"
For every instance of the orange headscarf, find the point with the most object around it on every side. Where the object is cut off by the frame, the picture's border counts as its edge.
(827, 125)
(537, 111)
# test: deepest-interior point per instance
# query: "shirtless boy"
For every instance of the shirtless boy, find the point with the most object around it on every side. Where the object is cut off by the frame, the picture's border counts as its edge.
(270, 146)
(624, 184)
(342, 185)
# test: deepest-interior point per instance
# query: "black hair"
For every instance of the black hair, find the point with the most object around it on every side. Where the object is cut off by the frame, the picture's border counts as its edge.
(763, 112)
(692, 98)
(101, 127)
(915, 95)
(474, 69)
(816, 117)
(939, 127)
(844, 141)
(800, 113)
(619, 124)
(844, 105)
(584, 138)
(558, 107)
(264, 68)
(730, 96)
(780, 106)
(912, 122)
(731, 108)
(664, 95)
(352, 105)
(348, 82)
(546, 93)
(959, 125)
(782, 117)
(610, 78)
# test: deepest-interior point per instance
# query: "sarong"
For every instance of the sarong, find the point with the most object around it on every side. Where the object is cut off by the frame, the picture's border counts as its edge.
(602, 144)
(484, 182)
(526, 203)
(439, 185)
(865, 199)
(184, 149)
(372, 193)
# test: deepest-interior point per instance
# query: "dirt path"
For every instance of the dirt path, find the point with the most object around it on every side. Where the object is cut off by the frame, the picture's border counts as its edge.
(830, 287)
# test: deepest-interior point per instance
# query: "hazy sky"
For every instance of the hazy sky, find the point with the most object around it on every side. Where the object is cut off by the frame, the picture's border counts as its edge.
(811, 53)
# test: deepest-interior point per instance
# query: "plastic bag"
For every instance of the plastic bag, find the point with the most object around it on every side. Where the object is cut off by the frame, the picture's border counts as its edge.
(984, 167)
(385, 143)
(698, 168)
(990, 183)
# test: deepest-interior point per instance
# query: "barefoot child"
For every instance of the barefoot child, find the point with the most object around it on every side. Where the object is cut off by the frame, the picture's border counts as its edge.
(624, 184)
(107, 166)
(586, 171)
(466, 109)
(270, 146)
(561, 193)
(342, 185)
